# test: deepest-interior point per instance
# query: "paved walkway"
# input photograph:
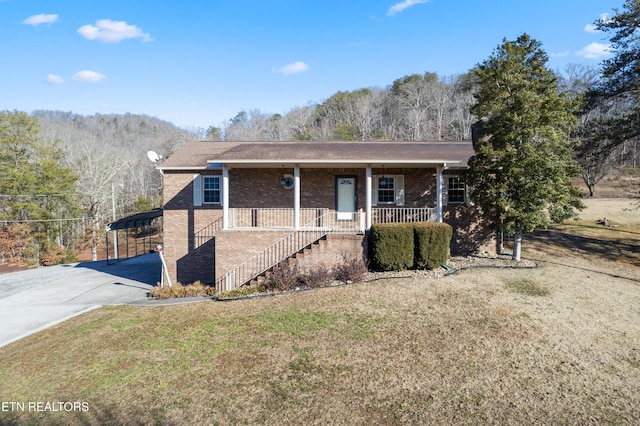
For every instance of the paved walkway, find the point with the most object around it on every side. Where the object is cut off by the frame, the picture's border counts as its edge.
(35, 299)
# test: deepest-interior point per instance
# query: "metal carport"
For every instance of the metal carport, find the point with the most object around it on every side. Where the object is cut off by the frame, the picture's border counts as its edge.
(143, 224)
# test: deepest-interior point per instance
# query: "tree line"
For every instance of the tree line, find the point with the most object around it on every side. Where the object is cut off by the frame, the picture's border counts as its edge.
(415, 107)
(64, 174)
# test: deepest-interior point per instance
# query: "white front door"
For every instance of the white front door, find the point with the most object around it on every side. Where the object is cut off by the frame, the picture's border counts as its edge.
(345, 197)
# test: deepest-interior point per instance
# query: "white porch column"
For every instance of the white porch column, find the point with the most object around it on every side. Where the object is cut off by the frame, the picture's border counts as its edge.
(225, 197)
(296, 197)
(368, 185)
(439, 193)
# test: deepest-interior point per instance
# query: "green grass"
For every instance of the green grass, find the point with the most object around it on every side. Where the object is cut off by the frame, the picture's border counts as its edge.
(527, 287)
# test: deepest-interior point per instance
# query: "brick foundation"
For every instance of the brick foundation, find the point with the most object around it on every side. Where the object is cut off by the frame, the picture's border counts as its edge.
(333, 251)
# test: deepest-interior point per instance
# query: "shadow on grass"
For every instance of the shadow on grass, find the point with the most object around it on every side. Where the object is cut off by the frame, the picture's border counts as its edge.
(555, 243)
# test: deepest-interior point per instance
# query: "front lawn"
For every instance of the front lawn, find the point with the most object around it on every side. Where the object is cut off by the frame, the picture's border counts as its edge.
(552, 345)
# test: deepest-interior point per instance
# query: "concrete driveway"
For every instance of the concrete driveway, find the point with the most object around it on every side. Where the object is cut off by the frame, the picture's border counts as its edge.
(35, 299)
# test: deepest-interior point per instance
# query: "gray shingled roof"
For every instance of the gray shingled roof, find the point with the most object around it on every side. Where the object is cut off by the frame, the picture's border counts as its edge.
(199, 155)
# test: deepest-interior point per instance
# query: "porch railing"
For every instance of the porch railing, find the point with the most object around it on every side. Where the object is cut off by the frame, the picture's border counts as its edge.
(403, 215)
(258, 218)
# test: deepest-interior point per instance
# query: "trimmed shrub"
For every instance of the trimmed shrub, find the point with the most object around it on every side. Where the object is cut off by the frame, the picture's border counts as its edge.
(432, 241)
(392, 246)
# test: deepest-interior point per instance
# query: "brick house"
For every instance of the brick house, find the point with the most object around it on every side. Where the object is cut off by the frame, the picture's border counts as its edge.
(234, 209)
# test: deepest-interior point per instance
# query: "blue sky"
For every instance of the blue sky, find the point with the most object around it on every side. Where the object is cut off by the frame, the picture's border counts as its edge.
(198, 63)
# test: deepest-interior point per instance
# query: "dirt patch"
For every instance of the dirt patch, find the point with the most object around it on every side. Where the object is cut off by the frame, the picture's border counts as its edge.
(616, 185)
(6, 268)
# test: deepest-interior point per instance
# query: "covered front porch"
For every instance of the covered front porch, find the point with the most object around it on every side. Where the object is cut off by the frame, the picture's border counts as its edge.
(344, 207)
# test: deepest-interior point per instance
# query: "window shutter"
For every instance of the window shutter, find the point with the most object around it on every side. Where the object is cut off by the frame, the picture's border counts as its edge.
(374, 190)
(399, 185)
(197, 190)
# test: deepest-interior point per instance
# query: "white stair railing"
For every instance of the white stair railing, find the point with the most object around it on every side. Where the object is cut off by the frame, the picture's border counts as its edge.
(268, 258)
(323, 223)
(207, 233)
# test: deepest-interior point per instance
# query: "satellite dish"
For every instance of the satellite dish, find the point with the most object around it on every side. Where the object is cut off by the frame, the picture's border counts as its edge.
(153, 157)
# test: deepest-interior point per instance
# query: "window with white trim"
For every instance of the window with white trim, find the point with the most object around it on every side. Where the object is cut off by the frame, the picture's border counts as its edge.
(456, 190)
(388, 189)
(212, 190)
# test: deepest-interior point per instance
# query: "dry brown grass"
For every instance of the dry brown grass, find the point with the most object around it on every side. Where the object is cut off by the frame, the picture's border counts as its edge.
(178, 290)
(482, 346)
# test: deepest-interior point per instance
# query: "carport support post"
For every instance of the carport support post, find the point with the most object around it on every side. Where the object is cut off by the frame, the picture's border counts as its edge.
(115, 231)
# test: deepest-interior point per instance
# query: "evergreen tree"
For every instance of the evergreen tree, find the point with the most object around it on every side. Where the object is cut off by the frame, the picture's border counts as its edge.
(617, 95)
(35, 187)
(520, 173)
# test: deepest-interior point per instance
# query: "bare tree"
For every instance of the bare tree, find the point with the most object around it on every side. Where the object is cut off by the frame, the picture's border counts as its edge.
(299, 122)
(413, 95)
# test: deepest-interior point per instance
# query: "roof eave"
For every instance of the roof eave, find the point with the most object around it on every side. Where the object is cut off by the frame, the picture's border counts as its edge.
(325, 163)
(179, 168)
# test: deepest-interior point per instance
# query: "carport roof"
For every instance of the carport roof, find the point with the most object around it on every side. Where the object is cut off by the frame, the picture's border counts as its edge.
(136, 220)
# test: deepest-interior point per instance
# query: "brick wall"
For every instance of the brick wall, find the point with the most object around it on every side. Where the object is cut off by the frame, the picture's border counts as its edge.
(235, 247)
(188, 261)
(333, 251)
(471, 233)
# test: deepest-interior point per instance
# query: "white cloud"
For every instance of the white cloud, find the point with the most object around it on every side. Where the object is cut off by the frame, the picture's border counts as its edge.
(399, 7)
(294, 68)
(41, 19)
(560, 54)
(592, 28)
(595, 51)
(89, 76)
(112, 31)
(54, 79)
